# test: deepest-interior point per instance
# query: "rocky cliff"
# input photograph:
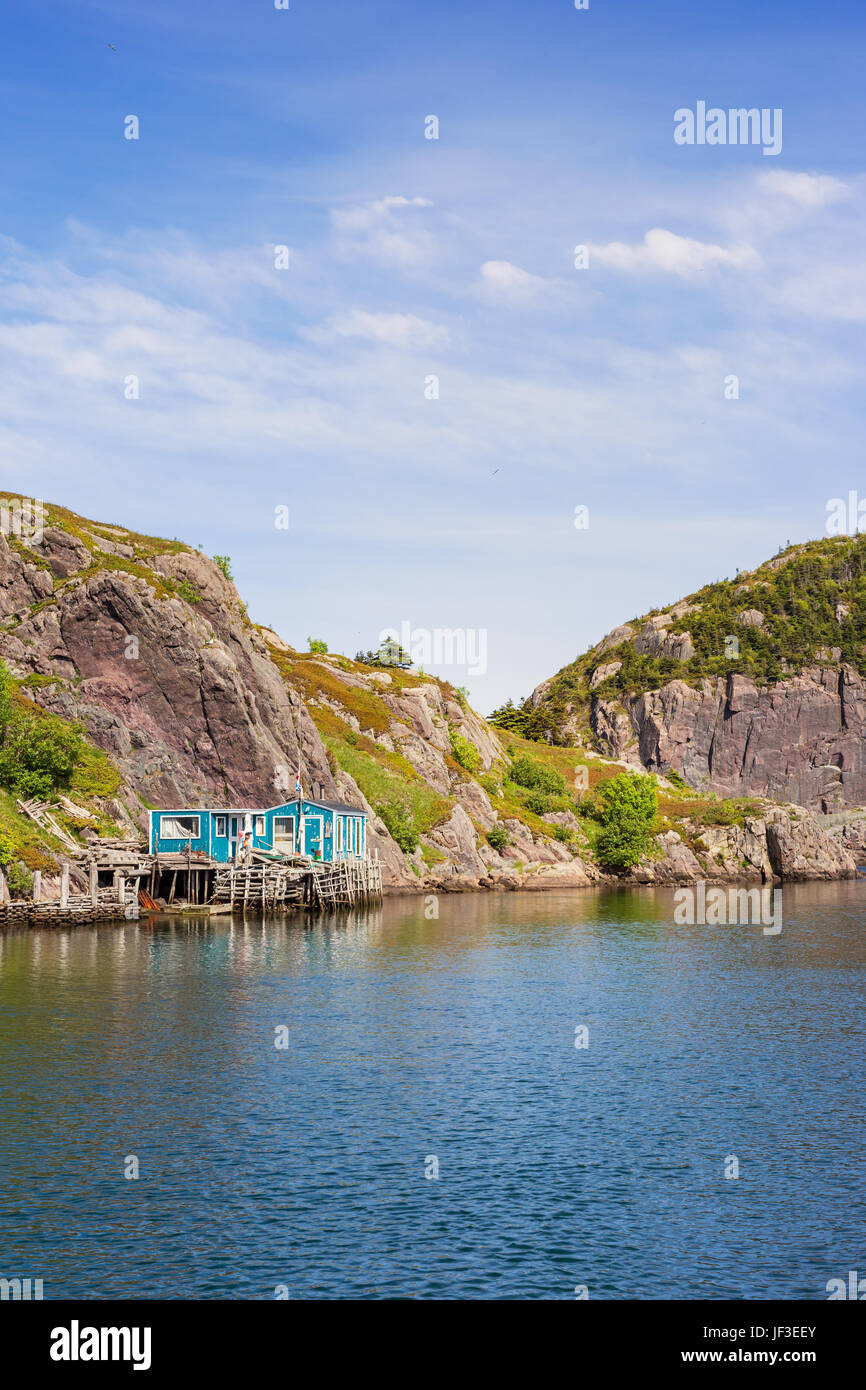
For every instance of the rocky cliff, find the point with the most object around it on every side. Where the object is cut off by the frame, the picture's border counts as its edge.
(147, 644)
(750, 687)
(799, 740)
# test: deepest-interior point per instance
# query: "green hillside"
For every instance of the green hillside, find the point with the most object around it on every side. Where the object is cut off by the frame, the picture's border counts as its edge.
(811, 600)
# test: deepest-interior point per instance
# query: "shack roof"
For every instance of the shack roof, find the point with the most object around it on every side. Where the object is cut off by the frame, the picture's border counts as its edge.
(343, 806)
(328, 805)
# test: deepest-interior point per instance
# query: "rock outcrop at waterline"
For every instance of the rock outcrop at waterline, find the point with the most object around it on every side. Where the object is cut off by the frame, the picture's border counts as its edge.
(786, 844)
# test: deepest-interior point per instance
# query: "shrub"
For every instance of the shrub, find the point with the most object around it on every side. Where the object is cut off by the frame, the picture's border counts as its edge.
(225, 565)
(564, 834)
(538, 802)
(38, 752)
(629, 803)
(188, 592)
(466, 753)
(526, 772)
(400, 824)
(94, 775)
(498, 836)
(317, 645)
(20, 880)
(729, 812)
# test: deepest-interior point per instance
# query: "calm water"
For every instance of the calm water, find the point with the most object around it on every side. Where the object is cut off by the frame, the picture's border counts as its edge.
(454, 1038)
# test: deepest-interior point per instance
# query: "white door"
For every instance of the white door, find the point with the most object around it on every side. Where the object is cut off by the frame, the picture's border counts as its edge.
(284, 834)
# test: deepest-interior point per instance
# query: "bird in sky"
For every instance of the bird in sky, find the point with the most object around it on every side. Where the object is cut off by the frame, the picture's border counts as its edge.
(113, 49)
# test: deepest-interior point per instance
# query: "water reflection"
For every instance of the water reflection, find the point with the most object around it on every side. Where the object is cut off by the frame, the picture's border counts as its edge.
(410, 1036)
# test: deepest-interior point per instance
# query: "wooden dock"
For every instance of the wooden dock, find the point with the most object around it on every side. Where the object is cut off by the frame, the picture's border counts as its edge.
(272, 887)
(126, 880)
(345, 883)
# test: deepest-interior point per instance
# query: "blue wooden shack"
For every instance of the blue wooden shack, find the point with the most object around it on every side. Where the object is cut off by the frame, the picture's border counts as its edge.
(332, 830)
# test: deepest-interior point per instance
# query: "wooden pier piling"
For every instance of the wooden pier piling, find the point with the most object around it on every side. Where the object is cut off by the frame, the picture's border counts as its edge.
(276, 887)
(265, 886)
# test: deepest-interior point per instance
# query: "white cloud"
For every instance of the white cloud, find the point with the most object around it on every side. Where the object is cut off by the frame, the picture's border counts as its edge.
(379, 229)
(809, 190)
(504, 281)
(396, 330)
(398, 201)
(665, 252)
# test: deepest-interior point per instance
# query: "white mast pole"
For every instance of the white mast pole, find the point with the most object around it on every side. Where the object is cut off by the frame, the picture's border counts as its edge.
(300, 809)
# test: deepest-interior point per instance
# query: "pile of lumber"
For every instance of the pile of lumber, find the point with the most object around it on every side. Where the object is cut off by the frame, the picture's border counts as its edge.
(40, 814)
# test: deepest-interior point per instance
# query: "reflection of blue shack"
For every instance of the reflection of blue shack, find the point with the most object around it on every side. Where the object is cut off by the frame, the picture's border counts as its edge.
(327, 831)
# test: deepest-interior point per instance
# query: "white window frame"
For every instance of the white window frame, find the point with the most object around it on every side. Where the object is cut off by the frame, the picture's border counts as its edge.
(293, 824)
(338, 842)
(259, 823)
(187, 834)
(221, 834)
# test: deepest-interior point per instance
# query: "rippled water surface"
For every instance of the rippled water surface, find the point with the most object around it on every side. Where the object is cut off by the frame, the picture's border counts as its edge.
(411, 1040)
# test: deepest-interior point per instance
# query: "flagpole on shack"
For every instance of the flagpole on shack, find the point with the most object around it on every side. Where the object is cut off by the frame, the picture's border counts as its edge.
(300, 796)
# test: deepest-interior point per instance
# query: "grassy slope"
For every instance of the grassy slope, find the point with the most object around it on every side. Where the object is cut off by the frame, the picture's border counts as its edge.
(383, 776)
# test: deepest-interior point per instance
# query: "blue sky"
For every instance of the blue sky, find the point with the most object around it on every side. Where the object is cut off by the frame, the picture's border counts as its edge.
(409, 258)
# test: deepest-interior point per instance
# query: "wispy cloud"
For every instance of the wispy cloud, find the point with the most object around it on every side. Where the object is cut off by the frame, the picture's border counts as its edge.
(810, 190)
(397, 330)
(308, 387)
(666, 253)
(384, 230)
(500, 280)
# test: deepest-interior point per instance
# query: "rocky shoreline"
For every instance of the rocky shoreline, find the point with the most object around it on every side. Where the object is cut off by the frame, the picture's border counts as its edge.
(788, 845)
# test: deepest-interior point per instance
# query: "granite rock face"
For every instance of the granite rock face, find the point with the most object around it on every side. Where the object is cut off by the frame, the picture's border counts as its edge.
(800, 849)
(457, 840)
(801, 740)
(181, 694)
